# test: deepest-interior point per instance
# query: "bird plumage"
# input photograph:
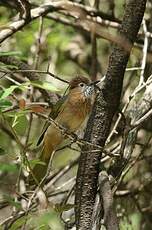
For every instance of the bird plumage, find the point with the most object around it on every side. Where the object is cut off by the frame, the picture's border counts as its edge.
(71, 116)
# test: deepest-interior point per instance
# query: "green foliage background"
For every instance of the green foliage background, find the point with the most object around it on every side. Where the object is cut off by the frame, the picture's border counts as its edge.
(58, 43)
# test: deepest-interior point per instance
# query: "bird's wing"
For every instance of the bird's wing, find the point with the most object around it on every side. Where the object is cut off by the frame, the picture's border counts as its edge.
(53, 114)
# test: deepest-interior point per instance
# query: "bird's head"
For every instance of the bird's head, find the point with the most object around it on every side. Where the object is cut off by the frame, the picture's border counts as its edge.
(83, 85)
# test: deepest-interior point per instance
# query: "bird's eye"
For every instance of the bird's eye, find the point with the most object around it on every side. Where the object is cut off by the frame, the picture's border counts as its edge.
(81, 84)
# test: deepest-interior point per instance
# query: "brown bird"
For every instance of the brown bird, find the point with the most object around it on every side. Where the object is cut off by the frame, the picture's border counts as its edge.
(71, 115)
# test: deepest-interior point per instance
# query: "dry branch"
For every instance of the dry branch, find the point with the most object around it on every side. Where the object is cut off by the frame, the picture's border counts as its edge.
(110, 217)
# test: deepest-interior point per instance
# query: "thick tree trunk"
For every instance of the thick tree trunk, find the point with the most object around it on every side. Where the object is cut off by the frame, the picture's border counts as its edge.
(105, 106)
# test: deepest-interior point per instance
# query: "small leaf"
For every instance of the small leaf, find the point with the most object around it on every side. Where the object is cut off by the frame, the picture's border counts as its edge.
(12, 202)
(8, 91)
(19, 223)
(8, 66)
(36, 162)
(5, 103)
(10, 53)
(21, 122)
(20, 113)
(8, 167)
(17, 117)
(44, 85)
(38, 109)
(49, 219)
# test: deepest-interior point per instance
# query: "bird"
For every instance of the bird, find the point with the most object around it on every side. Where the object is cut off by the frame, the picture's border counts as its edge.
(71, 113)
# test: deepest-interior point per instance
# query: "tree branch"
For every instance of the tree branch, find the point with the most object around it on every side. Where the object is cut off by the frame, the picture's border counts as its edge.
(18, 25)
(110, 217)
(105, 106)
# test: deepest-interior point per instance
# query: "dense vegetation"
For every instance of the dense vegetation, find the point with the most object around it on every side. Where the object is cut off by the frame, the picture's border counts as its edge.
(67, 41)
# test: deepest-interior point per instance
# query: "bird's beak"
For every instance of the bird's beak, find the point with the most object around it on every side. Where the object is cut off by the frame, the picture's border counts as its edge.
(95, 84)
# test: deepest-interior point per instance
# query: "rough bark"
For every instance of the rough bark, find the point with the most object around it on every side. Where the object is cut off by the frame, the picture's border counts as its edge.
(105, 106)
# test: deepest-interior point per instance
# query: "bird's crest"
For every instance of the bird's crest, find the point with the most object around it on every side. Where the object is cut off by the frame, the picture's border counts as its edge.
(76, 80)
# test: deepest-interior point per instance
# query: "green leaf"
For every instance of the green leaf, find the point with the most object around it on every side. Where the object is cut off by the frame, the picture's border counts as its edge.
(15, 121)
(11, 53)
(18, 117)
(18, 224)
(36, 162)
(44, 85)
(8, 66)
(9, 90)
(11, 201)
(20, 122)
(49, 219)
(8, 167)
(5, 103)
(20, 113)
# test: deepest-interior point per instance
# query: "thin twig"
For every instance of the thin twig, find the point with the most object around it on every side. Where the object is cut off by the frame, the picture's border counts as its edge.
(145, 49)
(139, 122)
(137, 90)
(94, 48)
(36, 71)
(71, 136)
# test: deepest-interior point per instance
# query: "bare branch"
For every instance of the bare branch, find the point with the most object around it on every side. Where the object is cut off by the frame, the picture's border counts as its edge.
(110, 217)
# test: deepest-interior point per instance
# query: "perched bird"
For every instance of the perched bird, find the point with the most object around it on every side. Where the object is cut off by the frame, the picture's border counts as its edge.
(71, 114)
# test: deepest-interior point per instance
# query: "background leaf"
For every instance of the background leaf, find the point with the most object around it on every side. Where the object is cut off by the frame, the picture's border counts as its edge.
(8, 167)
(44, 85)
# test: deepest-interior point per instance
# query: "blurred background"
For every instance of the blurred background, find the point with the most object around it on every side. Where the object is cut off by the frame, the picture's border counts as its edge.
(76, 40)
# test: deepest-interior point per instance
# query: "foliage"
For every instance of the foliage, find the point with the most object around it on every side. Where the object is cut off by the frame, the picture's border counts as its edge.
(65, 49)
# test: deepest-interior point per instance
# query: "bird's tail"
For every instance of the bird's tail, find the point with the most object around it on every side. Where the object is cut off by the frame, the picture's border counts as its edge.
(39, 170)
(52, 139)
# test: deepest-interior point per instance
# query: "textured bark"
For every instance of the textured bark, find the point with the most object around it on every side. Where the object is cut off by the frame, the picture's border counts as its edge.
(110, 217)
(105, 106)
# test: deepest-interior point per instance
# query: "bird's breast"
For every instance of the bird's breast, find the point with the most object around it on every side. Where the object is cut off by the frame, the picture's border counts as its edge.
(74, 112)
